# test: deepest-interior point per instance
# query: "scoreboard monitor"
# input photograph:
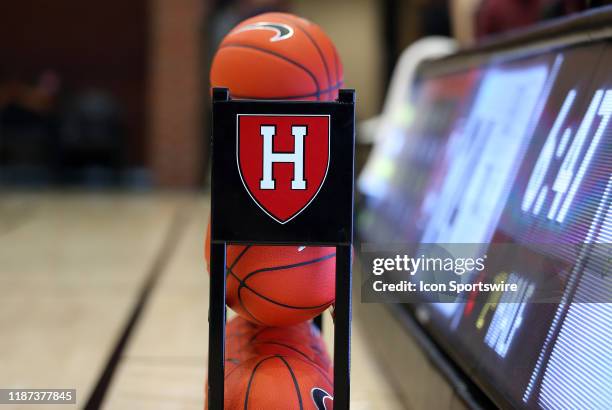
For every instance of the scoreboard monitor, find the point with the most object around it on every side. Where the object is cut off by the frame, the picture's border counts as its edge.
(512, 144)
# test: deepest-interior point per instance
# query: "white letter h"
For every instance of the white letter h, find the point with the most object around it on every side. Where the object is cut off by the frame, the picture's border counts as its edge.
(296, 157)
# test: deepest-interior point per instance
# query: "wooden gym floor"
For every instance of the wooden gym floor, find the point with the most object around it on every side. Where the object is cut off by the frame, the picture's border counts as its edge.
(107, 293)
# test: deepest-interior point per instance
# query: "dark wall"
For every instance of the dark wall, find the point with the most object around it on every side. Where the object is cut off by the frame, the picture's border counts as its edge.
(99, 44)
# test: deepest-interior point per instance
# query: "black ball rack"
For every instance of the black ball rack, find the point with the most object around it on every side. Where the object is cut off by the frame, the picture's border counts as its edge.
(238, 218)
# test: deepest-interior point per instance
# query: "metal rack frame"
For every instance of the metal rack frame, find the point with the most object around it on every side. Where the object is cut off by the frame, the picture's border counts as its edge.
(236, 219)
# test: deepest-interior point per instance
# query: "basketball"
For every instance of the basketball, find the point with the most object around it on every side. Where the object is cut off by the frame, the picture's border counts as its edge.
(280, 285)
(245, 340)
(278, 382)
(277, 56)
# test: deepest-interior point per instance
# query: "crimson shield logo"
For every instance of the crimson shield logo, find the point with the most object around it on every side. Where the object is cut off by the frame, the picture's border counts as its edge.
(283, 160)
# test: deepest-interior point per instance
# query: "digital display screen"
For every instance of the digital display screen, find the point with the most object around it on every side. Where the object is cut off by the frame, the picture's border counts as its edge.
(524, 157)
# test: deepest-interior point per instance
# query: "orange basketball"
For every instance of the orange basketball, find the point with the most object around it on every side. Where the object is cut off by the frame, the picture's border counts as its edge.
(245, 340)
(277, 56)
(280, 285)
(278, 382)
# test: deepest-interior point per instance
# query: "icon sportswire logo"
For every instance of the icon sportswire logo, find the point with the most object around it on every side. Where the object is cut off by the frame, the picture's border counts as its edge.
(282, 31)
(321, 398)
(283, 160)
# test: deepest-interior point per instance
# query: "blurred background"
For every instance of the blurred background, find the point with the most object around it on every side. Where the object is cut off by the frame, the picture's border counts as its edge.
(115, 94)
(104, 289)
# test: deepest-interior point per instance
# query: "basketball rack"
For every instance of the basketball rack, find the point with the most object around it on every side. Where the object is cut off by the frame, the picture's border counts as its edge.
(236, 218)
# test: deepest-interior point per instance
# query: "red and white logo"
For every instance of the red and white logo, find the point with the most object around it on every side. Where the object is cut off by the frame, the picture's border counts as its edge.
(283, 160)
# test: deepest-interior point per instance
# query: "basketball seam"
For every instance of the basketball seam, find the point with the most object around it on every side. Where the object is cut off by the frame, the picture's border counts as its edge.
(267, 299)
(241, 302)
(290, 266)
(231, 272)
(317, 48)
(240, 255)
(248, 391)
(295, 382)
(243, 283)
(244, 307)
(317, 368)
(282, 57)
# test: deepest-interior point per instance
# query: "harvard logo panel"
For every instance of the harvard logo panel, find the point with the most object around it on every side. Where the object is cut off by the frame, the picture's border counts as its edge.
(283, 160)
